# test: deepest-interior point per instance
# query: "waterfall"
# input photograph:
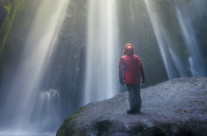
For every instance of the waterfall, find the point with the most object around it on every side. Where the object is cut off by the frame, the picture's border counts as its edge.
(47, 110)
(163, 32)
(163, 41)
(185, 19)
(178, 64)
(24, 92)
(102, 63)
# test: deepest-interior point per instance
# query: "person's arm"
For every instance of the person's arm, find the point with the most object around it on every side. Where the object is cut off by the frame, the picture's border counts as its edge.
(121, 71)
(141, 71)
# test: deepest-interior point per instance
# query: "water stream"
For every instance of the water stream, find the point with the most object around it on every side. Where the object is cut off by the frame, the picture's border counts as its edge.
(170, 58)
(21, 109)
(101, 73)
(163, 42)
(186, 19)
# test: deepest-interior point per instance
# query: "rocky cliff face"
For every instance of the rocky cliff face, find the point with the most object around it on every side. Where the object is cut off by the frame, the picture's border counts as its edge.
(175, 108)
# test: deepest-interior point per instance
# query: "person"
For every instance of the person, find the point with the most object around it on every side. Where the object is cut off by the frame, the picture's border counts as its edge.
(130, 73)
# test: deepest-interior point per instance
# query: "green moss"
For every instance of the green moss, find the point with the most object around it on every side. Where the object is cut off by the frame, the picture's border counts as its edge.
(7, 8)
(68, 127)
(11, 8)
(81, 109)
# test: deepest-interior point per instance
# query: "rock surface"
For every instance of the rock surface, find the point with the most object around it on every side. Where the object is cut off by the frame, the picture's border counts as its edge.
(174, 108)
(8, 10)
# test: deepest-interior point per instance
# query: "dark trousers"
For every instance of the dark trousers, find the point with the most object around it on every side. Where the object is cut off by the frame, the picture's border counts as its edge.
(134, 97)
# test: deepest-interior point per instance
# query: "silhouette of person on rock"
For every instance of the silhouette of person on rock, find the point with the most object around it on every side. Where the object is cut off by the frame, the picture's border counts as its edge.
(131, 73)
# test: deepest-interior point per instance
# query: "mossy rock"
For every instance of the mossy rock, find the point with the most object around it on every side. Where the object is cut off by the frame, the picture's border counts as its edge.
(173, 108)
(8, 10)
(70, 121)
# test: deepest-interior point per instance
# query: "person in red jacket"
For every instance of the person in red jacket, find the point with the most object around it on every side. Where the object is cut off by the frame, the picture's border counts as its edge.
(130, 73)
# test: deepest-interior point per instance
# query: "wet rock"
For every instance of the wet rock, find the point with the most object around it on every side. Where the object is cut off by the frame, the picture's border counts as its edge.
(2, 14)
(174, 108)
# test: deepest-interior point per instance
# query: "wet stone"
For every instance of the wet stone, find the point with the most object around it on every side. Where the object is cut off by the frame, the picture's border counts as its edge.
(174, 108)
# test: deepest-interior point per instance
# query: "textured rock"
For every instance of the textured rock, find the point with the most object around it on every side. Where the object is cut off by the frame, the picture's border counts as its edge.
(2, 14)
(8, 10)
(176, 108)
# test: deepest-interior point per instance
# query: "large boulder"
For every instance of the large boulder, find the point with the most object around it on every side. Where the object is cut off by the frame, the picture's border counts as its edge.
(174, 108)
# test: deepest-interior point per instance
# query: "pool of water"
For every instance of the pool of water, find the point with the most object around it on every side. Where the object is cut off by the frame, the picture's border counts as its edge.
(26, 134)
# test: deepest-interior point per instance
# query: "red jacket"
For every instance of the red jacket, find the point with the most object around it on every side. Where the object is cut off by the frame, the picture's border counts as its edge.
(130, 69)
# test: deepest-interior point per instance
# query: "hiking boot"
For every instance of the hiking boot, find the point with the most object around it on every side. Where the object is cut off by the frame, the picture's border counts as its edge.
(133, 111)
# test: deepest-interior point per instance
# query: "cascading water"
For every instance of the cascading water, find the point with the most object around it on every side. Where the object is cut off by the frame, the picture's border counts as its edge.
(186, 18)
(101, 68)
(178, 64)
(31, 109)
(47, 110)
(164, 43)
(21, 109)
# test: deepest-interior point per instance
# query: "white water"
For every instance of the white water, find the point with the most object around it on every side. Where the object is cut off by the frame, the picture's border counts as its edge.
(101, 68)
(47, 110)
(21, 104)
(186, 18)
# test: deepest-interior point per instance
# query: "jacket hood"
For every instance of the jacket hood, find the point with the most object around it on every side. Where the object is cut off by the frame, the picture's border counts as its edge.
(129, 50)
